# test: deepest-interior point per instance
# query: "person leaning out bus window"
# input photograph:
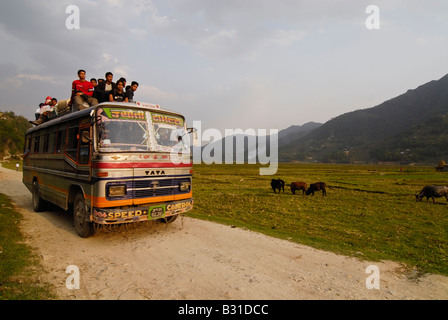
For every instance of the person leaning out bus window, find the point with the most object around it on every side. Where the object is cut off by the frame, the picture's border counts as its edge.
(118, 93)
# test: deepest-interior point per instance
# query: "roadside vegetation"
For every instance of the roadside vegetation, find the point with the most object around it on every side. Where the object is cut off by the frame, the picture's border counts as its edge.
(19, 266)
(370, 211)
(12, 133)
(11, 164)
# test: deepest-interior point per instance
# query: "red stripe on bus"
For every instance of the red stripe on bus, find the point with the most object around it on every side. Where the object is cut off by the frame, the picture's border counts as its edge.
(149, 165)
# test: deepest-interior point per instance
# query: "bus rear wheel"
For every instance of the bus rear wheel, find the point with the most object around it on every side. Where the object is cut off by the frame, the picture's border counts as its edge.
(81, 219)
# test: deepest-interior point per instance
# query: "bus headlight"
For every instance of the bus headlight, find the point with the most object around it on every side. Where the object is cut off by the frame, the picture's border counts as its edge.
(184, 186)
(117, 191)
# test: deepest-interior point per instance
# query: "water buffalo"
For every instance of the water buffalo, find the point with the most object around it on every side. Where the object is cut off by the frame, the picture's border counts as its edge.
(278, 184)
(298, 186)
(318, 186)
(432, 192)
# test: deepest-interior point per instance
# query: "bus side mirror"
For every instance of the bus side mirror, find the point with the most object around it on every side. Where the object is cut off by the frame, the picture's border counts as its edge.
(97, 119)
(194, 131)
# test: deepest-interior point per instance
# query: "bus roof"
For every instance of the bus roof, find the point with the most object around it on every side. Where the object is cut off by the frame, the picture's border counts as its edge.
(73, 115)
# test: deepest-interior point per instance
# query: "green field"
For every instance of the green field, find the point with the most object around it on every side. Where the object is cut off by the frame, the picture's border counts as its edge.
(369, 212)
(12, 164)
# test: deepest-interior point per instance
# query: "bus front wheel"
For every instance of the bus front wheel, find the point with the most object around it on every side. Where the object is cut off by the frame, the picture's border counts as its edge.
(83, 226)
(169, 219)
(38, 202)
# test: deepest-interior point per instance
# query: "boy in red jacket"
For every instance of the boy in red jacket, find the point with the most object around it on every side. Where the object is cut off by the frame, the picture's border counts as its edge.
(82, 91)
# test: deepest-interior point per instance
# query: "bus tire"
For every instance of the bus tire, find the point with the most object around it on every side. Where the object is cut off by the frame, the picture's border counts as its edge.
(83, 226)
(169, 219)
(38, 202)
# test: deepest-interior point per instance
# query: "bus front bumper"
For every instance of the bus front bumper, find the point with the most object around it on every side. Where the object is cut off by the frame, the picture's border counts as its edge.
(141, 213)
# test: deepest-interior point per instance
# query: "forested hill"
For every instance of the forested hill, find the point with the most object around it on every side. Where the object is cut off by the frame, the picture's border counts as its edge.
(412, 127)
(12, 133)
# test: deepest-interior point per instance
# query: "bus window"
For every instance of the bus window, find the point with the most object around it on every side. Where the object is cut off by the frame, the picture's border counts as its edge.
(84, 148)
(27, 145)
(72, 142)
(123, 136)
(60, 141)
(51, 137)
(36, 144)
(41, 143)
(45, 150)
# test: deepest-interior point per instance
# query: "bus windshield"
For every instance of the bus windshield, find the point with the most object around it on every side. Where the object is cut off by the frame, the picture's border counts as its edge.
(126, 129)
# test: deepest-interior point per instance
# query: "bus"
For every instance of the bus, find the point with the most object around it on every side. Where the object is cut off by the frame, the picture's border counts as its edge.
(113, 163)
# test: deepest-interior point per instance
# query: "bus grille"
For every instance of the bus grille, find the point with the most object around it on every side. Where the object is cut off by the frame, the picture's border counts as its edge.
(148, 188)
(157, 188)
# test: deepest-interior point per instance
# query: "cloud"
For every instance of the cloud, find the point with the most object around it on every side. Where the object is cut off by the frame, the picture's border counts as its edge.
(37, 77)
(108, 59)
(223, 60)
(138, 34)
(223, 30)
(431, 41)
(41, 27)
(287, 37)
(150, 93)
(120, 71)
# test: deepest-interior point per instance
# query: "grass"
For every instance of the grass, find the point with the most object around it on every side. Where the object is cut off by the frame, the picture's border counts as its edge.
(11, 164)
(19, 266)
(370, 211)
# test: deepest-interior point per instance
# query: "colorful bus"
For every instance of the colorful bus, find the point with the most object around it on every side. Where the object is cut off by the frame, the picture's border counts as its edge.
(111, 164)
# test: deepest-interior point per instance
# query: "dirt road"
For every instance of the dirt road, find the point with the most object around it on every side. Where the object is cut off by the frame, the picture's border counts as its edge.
(194, 259)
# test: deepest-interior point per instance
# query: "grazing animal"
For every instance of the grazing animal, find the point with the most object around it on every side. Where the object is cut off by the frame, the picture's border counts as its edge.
(432, 192)
(298, 186)
(278, 184)
(318, 186)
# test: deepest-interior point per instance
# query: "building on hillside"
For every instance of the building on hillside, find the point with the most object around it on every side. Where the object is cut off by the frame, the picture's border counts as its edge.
(442, 167)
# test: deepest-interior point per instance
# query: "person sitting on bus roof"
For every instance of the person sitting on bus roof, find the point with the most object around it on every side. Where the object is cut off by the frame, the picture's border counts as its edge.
(37, 112)
(54, 102)
(63, 106)
(45, 110)
(124, 81)
(94, 82)
(82, 91)
(104, 88)
(48, 105)
(130, 90)
(118, 93)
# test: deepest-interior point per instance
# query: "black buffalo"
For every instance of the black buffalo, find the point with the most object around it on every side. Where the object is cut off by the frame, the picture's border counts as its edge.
(318, 186)
(278, 184)
(432, 192)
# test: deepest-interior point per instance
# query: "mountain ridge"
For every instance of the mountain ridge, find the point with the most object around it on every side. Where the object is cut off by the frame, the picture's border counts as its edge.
(353, 136)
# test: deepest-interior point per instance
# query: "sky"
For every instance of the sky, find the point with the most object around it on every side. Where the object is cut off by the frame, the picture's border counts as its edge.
(231, 64)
